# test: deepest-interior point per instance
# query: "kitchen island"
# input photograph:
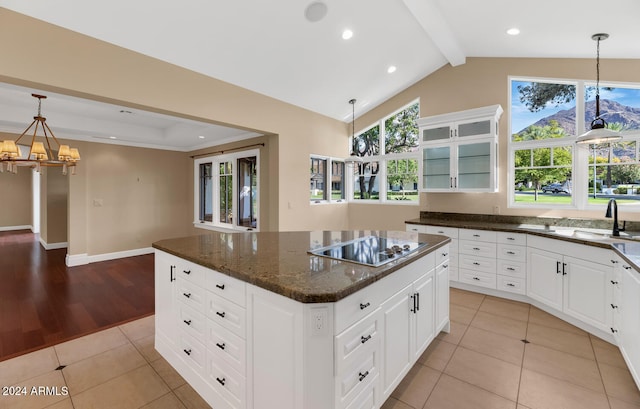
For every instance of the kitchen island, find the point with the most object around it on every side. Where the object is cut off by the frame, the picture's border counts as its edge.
(255, 320)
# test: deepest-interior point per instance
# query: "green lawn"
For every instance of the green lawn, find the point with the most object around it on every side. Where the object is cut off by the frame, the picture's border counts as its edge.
(566, 199)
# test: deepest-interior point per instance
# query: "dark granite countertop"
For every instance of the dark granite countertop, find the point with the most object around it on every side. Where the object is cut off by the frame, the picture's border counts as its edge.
(581, 231)
(280, 262)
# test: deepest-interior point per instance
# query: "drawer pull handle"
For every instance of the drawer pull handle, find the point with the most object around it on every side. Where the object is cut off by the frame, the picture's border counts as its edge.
(626, 267)
(614, 261)
(361, 375)
(440, 232)
(511, 269)
(510, 285)
(476, 278)
(510, 238)
(445, 254)
(614, 282)
(221, 346)
(188, 322)
(363, 306)
(188, 295)
(613, 331)
(221, 314)
(476, 248)
(476, 235)
(511, 252)
(445, 266)
(220, 286)
(221, 381)
(365, 339)
(475, 263)
(614, 306)
(187, 272)
(187, 351)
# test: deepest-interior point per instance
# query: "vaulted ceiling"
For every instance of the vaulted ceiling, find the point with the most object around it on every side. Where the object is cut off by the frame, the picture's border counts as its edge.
(277, 49)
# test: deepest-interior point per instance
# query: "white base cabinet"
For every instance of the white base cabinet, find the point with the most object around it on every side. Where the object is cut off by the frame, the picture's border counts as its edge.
(240, 346)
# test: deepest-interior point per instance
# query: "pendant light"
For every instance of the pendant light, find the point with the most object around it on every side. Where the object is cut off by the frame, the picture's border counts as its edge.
(353, 157)
(599, 132)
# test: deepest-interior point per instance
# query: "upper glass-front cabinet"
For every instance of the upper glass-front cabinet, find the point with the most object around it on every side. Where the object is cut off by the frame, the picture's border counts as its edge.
(459, 151)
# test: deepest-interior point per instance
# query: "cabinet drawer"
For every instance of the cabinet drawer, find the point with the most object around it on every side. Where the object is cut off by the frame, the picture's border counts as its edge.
(418, 228)
(512, 268)
(451, 232)
(477, 278)
(443, 254)
(487, 265)
(511, 284)
(227, 382)
(477, 248)
(369, 398)
(518, 239)
(226, 346)
(226, 313)
(354, 380)
(191, 321)
(190, 272)
(477, 235)
(192, 352)
(357, 341)
(226, 286)
(191, 295)
(357, 306)
(510, 252)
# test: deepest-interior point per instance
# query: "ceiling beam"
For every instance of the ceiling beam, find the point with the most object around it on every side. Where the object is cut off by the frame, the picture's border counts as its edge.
(428, 14)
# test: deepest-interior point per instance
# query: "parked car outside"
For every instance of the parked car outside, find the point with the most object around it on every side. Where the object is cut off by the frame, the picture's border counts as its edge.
(557, 188)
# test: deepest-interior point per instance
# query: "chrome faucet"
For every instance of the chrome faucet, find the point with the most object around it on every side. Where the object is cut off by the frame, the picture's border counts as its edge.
(616, 229)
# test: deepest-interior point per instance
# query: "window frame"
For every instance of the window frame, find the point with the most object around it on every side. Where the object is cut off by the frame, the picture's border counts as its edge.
(581, 152)
(216, 160)
(382, 159)
(328, 179)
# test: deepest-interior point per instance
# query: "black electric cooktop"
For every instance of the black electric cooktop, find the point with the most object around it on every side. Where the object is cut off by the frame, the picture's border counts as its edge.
(370, 251)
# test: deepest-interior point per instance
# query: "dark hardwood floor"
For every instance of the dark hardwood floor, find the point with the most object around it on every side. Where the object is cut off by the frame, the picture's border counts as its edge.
(43, 302)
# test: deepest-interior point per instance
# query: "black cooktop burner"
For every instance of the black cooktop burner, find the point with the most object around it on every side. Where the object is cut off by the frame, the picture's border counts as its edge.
(371, 250)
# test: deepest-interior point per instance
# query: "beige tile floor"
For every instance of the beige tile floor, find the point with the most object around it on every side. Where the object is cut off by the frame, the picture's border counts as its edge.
(482, 363)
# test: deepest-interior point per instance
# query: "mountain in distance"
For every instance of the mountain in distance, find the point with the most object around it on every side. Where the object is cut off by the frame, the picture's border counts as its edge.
(611, 111)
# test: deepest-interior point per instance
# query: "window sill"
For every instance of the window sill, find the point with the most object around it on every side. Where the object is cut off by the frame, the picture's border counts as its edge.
(207, 226)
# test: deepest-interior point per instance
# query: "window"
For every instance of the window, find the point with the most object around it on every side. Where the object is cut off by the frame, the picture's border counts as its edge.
(547, 169)
(326, 180)
(391, 176)
(226, 190)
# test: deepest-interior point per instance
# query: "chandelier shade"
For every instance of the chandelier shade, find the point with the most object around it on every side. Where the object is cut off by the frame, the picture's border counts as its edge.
(40, 153)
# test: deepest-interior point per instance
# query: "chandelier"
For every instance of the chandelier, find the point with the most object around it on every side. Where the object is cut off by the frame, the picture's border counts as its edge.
(40, 153)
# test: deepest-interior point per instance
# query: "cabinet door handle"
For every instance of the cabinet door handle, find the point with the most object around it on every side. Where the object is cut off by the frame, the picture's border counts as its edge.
(413, 298)
(221, 381)
(614, 306)
(557, 267)
(362, 375)
(220, 286)
(455, 181)
(221, 346)
(450, 182)
(418, 302)
(221, 314)
(614, 282)
(187, 272)
(363, 306)
(365, 339)
(188, 322)
(171, 277)
(564, 269)
(188, 351)
(188, 295)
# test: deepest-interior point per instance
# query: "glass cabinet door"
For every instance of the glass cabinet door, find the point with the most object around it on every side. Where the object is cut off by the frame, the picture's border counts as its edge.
(436, 168)
(474, 165)
(436, 133)
(476, 128)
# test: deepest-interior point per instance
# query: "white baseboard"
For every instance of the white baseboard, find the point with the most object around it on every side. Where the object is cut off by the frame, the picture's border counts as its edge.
(81, 259)
(53, 246)
(11, 228)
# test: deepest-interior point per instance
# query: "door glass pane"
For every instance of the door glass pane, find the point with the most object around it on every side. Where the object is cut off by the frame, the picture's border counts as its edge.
(474, 128)
(206, 194)
(436, 168)
(247, 192)
(474, 166)
(435, 134)
(226, 193)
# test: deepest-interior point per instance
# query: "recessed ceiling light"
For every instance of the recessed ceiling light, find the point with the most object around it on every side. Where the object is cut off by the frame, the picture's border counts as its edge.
(513, 31)
(201, 136)
(347, 34)
(315, 11)
(391, 69)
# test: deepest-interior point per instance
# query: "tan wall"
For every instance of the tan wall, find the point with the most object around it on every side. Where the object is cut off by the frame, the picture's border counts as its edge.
(56, 205)
(482, 82)
(15, 199)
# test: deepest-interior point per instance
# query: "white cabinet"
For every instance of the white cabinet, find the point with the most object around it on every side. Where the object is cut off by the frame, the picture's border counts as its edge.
(570, 280)
(408, 322)
(459, 150)
(477, 257)
(511, 262)
(452, 253)
(165, 277)
(629, 330)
